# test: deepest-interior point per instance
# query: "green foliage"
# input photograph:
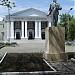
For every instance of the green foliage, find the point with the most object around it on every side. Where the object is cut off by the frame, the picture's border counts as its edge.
(69, 43)
(68, 21)
(7, 43)
(72, 29)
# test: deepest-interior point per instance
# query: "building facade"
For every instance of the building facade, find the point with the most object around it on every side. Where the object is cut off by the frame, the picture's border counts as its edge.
(1, 30)
(27, 24)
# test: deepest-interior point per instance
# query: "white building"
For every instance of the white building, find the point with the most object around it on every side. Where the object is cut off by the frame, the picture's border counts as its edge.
(26, 24)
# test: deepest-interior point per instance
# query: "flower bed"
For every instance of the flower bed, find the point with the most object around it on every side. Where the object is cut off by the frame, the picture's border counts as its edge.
(2, 44)
(24, 62)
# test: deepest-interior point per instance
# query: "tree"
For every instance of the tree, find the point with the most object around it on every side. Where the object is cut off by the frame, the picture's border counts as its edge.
(65, 21)
(72, 29)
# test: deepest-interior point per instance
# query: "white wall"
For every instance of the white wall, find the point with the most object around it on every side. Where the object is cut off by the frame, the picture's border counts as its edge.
(1, 31)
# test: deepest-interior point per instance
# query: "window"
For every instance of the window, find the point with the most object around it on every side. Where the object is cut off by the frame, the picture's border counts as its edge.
(44, 24)
(17, 24)
(31, 24)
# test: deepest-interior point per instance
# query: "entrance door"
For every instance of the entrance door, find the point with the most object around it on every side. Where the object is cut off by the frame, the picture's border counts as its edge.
(43, 35)
(31, 29)
(30, 35)
(18, 35)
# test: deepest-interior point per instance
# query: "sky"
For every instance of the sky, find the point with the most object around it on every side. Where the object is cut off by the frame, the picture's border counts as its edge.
(42, 5)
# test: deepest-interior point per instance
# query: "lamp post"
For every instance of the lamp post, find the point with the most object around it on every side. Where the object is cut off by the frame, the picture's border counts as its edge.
(68, 24)
(9, 5)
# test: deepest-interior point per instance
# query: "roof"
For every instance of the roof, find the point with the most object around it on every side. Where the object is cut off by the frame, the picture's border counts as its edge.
(27, 10)
(29, 13)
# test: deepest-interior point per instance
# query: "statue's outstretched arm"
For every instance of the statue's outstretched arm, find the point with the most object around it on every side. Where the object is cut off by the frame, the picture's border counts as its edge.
(59, 7)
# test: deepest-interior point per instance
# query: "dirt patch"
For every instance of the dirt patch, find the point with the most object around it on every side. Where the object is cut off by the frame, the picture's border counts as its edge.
(24, 62)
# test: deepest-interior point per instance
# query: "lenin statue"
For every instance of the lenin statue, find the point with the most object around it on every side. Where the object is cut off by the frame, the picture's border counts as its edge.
(54, 12)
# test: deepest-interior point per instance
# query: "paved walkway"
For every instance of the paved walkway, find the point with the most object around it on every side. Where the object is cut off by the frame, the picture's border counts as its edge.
(30, 46)
(70, 48)
(25, 47)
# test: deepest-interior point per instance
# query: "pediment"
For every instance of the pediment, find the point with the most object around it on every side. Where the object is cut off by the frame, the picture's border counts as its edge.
(30, 12)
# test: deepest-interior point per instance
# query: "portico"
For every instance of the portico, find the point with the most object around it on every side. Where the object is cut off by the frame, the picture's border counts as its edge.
(28, 24)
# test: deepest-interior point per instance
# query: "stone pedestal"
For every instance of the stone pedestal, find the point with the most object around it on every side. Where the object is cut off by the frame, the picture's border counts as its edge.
(55, 44)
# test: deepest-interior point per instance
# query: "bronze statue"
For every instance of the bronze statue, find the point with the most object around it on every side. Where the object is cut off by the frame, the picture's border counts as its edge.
(54, 12)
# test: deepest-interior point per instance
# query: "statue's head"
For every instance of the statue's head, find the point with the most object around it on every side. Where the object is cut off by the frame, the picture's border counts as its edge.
(54, 0)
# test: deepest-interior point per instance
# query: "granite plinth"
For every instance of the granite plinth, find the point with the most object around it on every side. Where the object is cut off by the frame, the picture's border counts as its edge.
(55, 44)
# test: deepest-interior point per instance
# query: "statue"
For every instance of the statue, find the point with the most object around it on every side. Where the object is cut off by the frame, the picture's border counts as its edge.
(54, 12)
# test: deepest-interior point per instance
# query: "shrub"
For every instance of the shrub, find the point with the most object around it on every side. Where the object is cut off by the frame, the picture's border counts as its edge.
(69, 43)
(7, 43)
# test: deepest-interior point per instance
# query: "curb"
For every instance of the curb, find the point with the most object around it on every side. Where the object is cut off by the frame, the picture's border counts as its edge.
(3, 57)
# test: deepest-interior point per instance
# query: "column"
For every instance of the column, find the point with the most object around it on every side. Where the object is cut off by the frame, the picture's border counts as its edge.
(49, 24)
(7, 24)
(39, 29)
(22, 23)
(25, 29)
(12, 31)
(36, 29)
